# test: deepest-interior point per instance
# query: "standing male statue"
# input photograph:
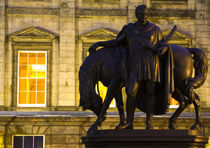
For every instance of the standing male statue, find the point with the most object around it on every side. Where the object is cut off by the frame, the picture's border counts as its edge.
(145, 73)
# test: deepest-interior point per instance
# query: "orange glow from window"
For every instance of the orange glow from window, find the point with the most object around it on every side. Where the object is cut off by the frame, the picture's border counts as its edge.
(32, 77)
(173, 102)
(103, 91)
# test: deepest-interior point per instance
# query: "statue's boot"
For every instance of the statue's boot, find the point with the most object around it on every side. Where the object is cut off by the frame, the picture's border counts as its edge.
(150, 98)
(130, 108)
(122, 122)
(148, 121)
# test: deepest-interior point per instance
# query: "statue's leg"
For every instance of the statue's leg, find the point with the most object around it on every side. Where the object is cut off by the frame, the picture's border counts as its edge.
(131, 91)
(150, 98)
(119, 103)
(177, 95)
(196, 104)
(114, 87)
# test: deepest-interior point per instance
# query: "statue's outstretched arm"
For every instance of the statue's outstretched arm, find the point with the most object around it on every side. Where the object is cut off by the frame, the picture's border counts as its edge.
(121, 39)
(108, 44)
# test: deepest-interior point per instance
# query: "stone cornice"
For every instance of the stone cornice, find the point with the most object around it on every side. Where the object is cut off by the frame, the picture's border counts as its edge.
(171, 13)
(101, 12)
(32, 11)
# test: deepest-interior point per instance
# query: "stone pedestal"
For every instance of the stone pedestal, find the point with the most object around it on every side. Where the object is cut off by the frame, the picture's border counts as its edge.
(145, 139)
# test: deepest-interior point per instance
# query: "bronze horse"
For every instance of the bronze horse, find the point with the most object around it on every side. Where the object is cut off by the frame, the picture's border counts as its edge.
(109, 67)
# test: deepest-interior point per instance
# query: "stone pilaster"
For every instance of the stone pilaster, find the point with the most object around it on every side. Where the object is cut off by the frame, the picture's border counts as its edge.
(67, 53)
(2, 50)
(202, 33)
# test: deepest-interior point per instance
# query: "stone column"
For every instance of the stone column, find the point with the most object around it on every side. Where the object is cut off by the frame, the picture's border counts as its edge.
(2, 49)
(67, 53)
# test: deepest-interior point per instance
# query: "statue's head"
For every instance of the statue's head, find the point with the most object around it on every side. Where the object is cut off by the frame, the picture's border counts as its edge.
(141, 13)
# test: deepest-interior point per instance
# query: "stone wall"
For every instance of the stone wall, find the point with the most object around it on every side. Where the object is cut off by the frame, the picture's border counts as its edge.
(2, 50)
(202, 40)
(66, 131)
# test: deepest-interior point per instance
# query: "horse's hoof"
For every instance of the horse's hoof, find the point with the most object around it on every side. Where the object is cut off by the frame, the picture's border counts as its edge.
(149, 127)
(172, 126)
(125, 126)
(92, 129)
(120, 126)
(196, 126)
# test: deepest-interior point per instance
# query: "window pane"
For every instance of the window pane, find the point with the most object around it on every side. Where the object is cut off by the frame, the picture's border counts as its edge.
(23, 71)
(40, 97)
(31, 71)
(32, 58)
(32, 84)
(22, 97)
(22, 84)
(41, 58)
(38, 142)
(23, 58)
(28, 141)
(40, 74)
(173, 102)
(18, 142)
(31, 97)
(40, 84)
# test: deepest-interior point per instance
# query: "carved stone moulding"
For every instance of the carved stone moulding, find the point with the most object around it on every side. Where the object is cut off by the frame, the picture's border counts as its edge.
(32, 38)
(169, 1)
(171, 13)
(33, 11)
(101, 12)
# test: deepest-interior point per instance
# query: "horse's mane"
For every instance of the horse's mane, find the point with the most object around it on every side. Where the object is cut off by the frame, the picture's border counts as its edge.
(88, 76)
(93, 59)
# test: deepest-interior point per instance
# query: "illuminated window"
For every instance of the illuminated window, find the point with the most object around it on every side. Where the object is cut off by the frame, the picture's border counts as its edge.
(32, 76)
(103, 91)
(173, 103)
(28, 141)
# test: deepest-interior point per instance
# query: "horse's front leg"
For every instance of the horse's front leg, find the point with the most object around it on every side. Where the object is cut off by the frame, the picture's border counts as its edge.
(196, 104)
(113, 87)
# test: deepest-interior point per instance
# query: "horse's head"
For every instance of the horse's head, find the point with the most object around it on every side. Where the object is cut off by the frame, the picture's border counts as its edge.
(88, 97)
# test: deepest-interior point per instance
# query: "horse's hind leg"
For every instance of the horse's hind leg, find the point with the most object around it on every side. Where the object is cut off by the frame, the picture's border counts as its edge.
(119, 103)
(194, 98)
(182, 105)
(196, 104)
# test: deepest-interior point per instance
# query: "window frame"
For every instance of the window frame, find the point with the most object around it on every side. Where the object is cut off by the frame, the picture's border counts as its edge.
(24, 135)
(46, 73)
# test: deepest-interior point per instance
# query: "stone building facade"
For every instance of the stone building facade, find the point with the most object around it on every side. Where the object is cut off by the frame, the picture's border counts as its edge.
(44, 42)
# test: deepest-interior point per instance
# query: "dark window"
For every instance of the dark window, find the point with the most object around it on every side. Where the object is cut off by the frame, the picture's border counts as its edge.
(38, 142)
(28, 142)
(18, 142)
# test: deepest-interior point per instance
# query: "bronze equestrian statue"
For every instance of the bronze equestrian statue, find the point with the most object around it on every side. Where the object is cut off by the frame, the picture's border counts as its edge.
(149, 69)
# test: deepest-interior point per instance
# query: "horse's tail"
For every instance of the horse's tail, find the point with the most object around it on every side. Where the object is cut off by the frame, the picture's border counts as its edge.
(201, 67)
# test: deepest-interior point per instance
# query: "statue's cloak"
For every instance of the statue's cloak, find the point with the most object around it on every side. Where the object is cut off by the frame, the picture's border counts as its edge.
(143, 64)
